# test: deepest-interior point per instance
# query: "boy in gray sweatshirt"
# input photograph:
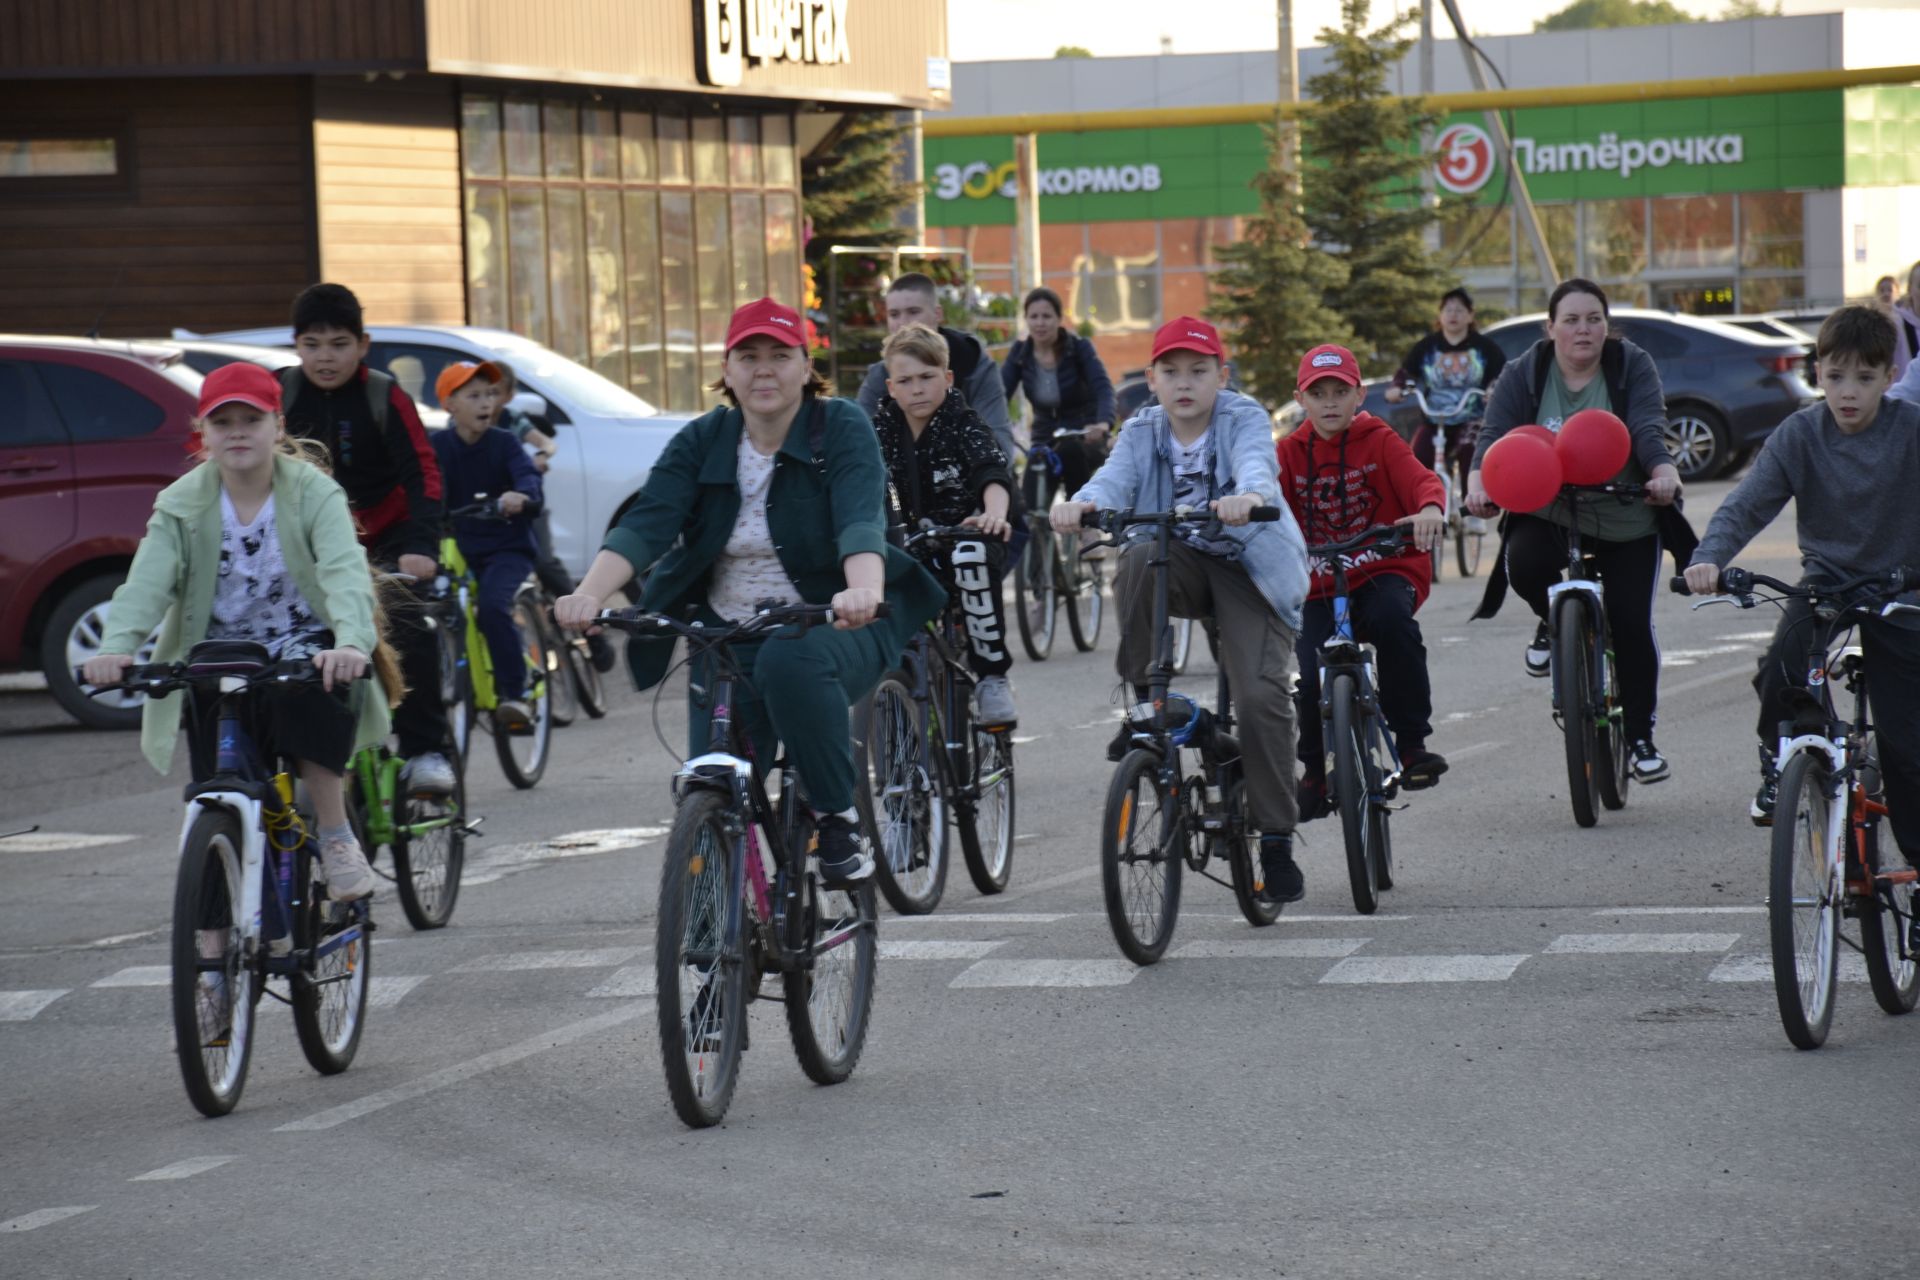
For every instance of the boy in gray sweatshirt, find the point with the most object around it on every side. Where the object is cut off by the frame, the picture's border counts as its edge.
(1852, 467)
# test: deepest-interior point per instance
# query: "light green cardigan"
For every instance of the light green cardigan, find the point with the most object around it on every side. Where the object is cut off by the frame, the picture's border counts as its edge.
(174, 572)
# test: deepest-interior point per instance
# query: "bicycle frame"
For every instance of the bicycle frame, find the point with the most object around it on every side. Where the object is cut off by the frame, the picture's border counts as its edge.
(1343, 654)
(1589, 595)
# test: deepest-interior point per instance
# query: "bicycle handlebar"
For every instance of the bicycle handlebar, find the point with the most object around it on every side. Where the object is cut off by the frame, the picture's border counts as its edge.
(930, 532)
(1741, 582)
(1383, 536)
(1114, 521)
(639, 622)
(1462, 412)
(159, 678)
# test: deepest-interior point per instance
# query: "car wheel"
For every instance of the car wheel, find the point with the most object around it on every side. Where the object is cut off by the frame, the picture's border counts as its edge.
(73, 633)
(1697, 439)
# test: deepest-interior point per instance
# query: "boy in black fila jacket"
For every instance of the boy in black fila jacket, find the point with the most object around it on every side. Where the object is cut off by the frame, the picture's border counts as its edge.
(943, 465)
(382, 458)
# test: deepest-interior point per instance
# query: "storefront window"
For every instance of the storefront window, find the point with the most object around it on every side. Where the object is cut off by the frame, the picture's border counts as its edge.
(487, 257)
(677, 296)
(523, 139)
(783, 247)
(567, 272)
(1695, 297)
(600, 144)
(1772, 293)
(743, 150)
(636, 147)
(527, 262)
(645, 370)
(1615, 239)
(713, 277)
(1773, 230)
(480, 136)
(674, 164)
(776, 135)
(750, 250)
(563, 140)
(606, 301)
(709, 151)
(1692, 233)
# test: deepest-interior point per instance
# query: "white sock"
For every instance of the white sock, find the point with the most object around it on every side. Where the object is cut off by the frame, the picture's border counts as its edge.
(341, 832)
(846, 815)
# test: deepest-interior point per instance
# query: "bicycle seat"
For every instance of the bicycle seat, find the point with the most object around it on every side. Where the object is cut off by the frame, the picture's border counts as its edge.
(227, 657)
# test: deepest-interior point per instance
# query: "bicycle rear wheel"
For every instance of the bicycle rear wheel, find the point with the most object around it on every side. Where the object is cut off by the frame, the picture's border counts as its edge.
(901, 796)
(1353, 792)
(1036, 606)
(1182, 644)
(330, 994)
(214, 989)
(1892, 972)
(456, 683)
(1141, 858)
(1240, 844)
(588, 684)
(1085, 596)
(1573, 693)
(562, 690)
(1469, 532)
(1803, 902)
(700, 962)
(986, 827)
(828, 1006)
(430, 851)
(523, 756)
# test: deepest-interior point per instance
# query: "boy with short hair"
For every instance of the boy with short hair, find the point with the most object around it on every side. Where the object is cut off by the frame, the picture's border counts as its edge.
(914, 299)
(944, 466)
(1851, 465)
(380, 455)
(1344, 471)
(478, 458)
(1202, 446)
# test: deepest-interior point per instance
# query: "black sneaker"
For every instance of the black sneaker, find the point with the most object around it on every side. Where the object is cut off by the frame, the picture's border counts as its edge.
(1540, 652)
(1312, 797)
(1281, 880)
(1761, 810)
(601, 652)
(1421, 768)
(845, 859)
(1648, 764)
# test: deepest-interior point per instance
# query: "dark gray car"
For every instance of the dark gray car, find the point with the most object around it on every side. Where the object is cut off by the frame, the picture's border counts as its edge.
(1726, 388)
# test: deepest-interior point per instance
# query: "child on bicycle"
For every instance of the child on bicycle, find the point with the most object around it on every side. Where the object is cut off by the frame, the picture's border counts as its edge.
(944, 465)
(257, 544)
(1344, 471)
(1204, 447)
(477, 458)
(1851, 465)
(1446, 365)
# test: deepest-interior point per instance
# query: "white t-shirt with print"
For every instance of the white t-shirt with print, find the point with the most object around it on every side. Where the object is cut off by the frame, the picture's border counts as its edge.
(254, 597)
(749, 570)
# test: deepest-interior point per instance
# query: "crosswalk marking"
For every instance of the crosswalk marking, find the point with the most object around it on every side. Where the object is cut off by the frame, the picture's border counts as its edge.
(20, 1006)
(934, 949)
(1269, 948)
(1046, 973)
(1682, 911)
(601, 958)
(1359, 969)
(182, 1169)
(45, 1217)
(389, 989)
(634, 980)
(57, 841)
(984, 917)
(1632, 943)
(140, 975)
(1853, 968)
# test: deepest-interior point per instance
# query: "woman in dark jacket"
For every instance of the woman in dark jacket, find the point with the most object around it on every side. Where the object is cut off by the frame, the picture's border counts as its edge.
(1578, 366)
(1068, 387)
(780, 495)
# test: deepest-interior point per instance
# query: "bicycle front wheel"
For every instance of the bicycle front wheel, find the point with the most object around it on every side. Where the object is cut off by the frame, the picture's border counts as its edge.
(1083, 587)
(214, 988)
(1573, 692)
(1036, 607)
(330, 991)
(1240, 844)
(1803, 902)
(523, 754)
(456, 684)
(1469, 532)
(588, 684)
(900, 796)
(1612, 761)
(1182, 644)
(1354, 792)
(700, 962)
(562, 690)
(430, 851)
(829, 1004)
(1892, 971)
(1141, 858)
(986, 829)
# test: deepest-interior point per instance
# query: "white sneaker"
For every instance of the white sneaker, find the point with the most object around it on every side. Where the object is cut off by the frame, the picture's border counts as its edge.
(993, 702)
(345, 867)
(514, 716)
(1540, 652)
(430, 773)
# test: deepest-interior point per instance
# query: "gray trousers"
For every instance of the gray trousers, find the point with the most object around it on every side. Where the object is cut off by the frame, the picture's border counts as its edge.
(1256, 648)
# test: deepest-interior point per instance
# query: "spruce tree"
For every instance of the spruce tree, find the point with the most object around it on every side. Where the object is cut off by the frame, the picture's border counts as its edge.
(1272, 293)
(854, 194)
(1361, 193)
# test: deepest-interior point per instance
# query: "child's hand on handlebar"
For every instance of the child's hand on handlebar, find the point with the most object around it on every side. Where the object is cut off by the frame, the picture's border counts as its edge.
(1428, 526)
(1065, 516)
(577, 612)
(991, 525)
(512, 502)
(106, 668)
(1394, 394)
(854, 608)
(339, 666)
(1236, 508)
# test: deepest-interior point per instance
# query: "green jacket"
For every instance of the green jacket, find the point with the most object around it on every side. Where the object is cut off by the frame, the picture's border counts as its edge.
(173, 575)
(819, 512)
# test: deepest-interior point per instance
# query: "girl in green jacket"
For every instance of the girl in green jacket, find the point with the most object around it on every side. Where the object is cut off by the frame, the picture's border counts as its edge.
(256, 544)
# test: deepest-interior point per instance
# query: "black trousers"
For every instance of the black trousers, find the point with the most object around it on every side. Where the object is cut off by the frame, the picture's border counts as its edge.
(420, 721)
(547, 568)
(1630, 572)
(1078, 461)
(302, 721)
(974, 572)
(1382, 612)
(1893, 696)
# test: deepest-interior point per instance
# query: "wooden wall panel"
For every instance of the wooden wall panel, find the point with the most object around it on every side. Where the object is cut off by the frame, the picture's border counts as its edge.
(387, 179)
(205, 235)
(102, 38)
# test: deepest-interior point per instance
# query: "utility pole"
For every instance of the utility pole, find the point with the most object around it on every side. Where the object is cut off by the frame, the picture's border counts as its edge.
(1286, 122)
(1426, 91)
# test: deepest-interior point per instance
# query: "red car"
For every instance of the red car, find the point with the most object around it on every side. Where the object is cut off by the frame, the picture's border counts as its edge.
(90, 431)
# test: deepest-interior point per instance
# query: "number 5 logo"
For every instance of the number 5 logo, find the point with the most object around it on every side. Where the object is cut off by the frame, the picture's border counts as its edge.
(1463, 158)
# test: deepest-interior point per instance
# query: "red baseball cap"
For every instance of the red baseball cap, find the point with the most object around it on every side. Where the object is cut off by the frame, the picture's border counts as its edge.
(247, 383)
(783, 324)
(1184, 333)
(1329, 361)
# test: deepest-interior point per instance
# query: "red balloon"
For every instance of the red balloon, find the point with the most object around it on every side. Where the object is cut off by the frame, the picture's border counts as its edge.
(1593, 445)
(1538, 433)
(1521, 472)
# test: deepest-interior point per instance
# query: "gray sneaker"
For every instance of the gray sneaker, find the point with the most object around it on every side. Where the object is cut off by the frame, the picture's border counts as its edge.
(429, 773)
(345, 867)
(993, 703)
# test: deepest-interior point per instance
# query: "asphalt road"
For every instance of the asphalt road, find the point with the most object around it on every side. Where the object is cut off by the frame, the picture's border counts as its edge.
(1553, 1053)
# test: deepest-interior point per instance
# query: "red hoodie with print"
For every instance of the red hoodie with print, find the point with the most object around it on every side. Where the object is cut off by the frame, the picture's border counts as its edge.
(1364, 476)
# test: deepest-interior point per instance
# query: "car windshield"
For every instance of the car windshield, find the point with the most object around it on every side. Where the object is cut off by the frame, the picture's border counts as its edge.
(184, 376)
(578, 387)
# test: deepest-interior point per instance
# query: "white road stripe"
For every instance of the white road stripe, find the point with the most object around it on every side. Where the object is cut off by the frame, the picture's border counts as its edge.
(140, 975)
(984, 917)
(603, 958)
(389, 989)
(55, 841)
(1047, 973)
(935, 949)
(1423, 969)
(21, 1006)
(1270, 948)
(1853, 968)
(182, 1169)
(462, 1071)
(1682, 911)
(45, 1217)
(1592, 944)
(634, 980)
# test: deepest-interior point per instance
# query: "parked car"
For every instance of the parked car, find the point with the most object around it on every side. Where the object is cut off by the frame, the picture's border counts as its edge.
(606, 437)
(1726, 388)
(91, 432)
(1807, 321)
(204, 356)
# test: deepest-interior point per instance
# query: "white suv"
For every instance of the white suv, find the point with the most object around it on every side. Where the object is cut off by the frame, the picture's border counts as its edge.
(606, 438)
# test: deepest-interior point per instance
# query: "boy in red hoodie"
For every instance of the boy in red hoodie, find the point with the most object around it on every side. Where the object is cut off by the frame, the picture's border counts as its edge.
(1343, 471)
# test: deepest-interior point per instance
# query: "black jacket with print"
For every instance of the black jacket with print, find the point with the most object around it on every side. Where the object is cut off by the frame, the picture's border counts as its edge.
(941, 476)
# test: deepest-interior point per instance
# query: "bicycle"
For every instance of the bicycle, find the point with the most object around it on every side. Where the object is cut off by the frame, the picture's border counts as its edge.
(1824, 863)
(1365, 778)
(723, 924)
(426, 833)
(1586, 694)
(1468, 533)
(1158, 820)
(249, 901)
(466, 663)
(1046, 572)
(574, 683)
(923, 763)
